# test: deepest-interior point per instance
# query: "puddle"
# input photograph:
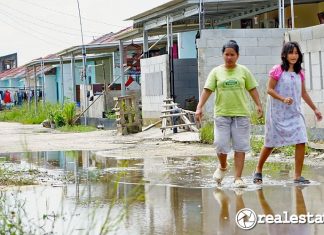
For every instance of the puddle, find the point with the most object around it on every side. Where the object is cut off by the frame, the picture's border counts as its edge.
(86, 193)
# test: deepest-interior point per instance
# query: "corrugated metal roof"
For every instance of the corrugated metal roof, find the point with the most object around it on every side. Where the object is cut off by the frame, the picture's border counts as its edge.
(216, 12)
(12, 73)
(110, 37)
(21, 71)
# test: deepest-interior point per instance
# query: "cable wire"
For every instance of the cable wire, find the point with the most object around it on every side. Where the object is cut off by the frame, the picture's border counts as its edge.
(71, 15)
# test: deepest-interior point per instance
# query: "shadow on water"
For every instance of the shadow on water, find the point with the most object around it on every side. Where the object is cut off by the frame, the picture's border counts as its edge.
(84, 192)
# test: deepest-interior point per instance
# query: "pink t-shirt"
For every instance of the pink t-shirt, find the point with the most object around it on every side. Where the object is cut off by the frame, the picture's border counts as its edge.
(276, 72)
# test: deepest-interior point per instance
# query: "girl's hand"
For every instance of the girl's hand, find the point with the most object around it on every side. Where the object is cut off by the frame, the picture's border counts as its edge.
(288, 100)
(318, 115)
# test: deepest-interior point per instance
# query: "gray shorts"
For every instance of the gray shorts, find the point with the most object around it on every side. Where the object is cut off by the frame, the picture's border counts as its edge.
(232, 132)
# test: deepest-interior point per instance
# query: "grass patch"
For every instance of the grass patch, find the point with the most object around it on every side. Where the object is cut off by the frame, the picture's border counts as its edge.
(207, 136)
(25, 114)
(256, 144)
(11, 177)
(78, 128)
(206, 133)
(255, 120)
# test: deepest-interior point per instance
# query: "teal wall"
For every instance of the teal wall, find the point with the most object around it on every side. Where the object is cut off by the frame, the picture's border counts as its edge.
(68, 81)
(187, 45)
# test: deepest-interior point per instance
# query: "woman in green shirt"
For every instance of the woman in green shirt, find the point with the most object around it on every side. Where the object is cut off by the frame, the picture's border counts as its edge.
(230, 81)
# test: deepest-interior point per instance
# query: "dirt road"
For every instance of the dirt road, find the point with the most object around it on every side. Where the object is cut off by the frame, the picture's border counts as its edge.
(21, 138)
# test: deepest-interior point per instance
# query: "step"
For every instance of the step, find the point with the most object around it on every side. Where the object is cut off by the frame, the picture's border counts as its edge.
(170, 105)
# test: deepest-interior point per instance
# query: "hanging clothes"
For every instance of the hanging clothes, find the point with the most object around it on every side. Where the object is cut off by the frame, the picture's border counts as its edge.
(7, 97)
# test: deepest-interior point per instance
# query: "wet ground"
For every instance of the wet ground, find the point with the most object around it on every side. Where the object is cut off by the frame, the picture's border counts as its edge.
(84, 193)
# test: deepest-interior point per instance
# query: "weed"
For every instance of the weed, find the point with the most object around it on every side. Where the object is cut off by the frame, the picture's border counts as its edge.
(207, 133)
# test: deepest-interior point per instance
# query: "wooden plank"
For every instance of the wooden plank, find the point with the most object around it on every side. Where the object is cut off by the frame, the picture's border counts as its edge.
(170, 105)
(152, 125)
(186, 120)
(179, 125)
(172, 115)
(169, 110)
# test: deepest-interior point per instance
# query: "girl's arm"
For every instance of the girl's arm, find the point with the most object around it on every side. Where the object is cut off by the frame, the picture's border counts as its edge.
(271, 91)
(310, 103)
(255, 96)
(203, 98)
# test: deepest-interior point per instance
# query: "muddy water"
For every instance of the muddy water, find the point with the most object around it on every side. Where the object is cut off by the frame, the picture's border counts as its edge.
(84, 193)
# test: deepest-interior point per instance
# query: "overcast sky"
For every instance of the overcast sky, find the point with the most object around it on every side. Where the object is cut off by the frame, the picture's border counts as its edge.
(36, 28)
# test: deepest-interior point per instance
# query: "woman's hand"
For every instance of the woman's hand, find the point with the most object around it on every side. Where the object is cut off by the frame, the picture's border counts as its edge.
(318, 115)
(259, 111)
(199, 114)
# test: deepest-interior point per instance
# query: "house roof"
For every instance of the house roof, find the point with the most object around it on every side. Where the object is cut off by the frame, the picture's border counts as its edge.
(109, 43)
(184, 14)
(12, 73)
(21, 71)
(110, 37)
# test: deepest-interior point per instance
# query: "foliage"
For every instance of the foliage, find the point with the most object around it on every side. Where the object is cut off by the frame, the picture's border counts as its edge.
(59, 118)
(110, 114)
(256, 144)
(207, 133)
(255, 120)
(26, 114)
(10, 177)
(69, 113)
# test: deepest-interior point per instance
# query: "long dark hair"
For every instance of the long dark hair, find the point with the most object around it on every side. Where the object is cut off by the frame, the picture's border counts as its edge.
(287, 49)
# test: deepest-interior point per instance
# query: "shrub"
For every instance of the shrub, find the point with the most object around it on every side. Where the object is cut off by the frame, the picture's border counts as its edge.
(69, 113)
(59, 118)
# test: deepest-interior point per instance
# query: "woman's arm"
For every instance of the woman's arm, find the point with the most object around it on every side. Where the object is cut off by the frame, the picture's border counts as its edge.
(255, 96)
(271, 91)
(203, 98)
(310, 103)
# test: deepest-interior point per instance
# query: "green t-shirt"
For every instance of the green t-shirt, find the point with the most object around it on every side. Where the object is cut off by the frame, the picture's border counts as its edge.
(230, 87)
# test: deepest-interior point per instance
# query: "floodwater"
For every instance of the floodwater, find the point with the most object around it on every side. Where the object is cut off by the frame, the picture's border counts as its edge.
(90, 193)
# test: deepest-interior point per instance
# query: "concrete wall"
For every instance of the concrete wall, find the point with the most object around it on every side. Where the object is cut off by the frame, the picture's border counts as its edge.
(108, 71)
(154, 85)
(311, 40)
(259, 50)
(185, 80)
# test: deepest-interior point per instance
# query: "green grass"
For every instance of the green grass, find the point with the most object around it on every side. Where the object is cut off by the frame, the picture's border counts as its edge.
(78, 128)
(11, 177)
(207, 133)
(25, 114)
(256, 144)
(207, 136)
(255, 120)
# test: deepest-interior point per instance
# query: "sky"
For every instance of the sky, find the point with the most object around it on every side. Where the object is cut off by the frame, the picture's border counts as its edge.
(36, 28)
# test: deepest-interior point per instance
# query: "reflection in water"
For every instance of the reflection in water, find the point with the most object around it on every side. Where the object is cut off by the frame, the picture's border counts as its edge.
(299, 209)
(94, 194)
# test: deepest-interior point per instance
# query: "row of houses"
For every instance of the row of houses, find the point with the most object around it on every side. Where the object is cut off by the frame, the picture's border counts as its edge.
(170, 49)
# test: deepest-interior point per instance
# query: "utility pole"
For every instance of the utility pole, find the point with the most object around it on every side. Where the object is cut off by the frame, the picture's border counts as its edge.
(84, 68)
